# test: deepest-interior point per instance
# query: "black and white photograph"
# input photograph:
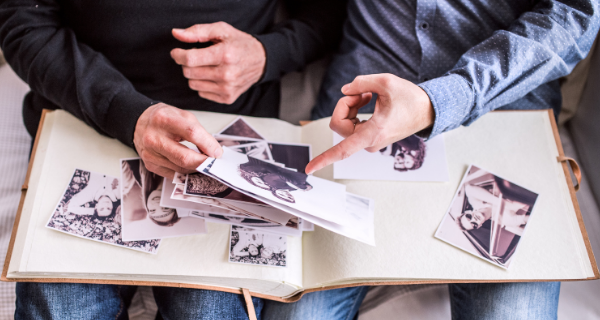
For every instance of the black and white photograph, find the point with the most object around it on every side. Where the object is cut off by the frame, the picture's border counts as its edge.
(259, 150)
(410, 159)
(171, 198)
(293, 228)
(179, 178)
(232, 141)
(280, 181)
(143, 217)
(201, 185)
(488, 216)
(239, 127)
(293, 155)
(178, 195)
(290, 191)
(252, 246)
(90, 208)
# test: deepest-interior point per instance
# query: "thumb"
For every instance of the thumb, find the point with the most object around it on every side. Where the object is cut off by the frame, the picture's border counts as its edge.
(376, 83)
(202, 32)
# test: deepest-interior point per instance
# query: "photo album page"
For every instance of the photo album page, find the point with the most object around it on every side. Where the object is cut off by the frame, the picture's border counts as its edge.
(475, 203)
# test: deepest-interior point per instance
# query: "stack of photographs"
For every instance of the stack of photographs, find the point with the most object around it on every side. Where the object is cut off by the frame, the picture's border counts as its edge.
(259, 187)
(262, 185)
(125, 211)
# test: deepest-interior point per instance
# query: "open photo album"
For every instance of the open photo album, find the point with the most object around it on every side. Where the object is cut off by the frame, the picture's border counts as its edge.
(457, 209)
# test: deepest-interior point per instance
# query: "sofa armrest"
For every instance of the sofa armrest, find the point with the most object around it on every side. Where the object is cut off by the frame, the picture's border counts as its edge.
(585, 128)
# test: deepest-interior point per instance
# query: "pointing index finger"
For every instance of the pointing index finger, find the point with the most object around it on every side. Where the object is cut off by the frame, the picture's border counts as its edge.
(354, 143)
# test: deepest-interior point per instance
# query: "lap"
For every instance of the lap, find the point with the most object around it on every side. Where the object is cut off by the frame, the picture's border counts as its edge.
(95, 301)
(481, 301)
(329, 304)
(490, 301)
(72, 301)
(183, 303)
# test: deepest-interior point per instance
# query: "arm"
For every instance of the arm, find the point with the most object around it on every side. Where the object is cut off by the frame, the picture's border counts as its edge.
(479, 197)
(73, 76)
(87, 194)
(542, 45)
(238, 60)
(70, 74)
(237, 249)
(313, 29)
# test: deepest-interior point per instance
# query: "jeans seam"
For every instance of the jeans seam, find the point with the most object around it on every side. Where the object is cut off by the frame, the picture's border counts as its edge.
(354, 304)
(121, 305)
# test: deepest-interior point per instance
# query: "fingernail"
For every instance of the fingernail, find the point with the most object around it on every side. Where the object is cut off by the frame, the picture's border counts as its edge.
(218, 152)
(345, 88)
(178, 30)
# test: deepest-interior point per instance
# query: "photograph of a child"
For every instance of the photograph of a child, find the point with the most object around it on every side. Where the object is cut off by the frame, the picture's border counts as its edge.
(239, 127)
(408, 153)
(251, 246)
(488, 216)
(179, 178)
(143, 216)
(280, 181)
(410, 159)
(91, 208)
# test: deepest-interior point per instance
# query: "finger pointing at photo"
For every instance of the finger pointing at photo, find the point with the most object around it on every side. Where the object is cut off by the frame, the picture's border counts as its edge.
(402, 109)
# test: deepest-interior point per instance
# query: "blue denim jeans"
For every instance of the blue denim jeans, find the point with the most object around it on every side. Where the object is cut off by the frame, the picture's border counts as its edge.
(485, 301)
(93, 301)
(87, 301)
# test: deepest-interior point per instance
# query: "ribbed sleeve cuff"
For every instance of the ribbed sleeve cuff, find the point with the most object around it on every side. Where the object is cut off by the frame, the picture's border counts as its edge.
(452, 99)
(122, 116)
(276, 49)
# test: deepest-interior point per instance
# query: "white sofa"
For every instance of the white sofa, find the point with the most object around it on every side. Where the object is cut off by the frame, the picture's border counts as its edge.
(578, 299)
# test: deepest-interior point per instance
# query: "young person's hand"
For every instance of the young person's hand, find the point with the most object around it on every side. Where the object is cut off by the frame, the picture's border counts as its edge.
(157, 135)
(402, 108)
(225, 70)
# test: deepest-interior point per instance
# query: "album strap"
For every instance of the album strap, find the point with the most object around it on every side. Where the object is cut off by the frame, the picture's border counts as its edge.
(249, 304)
(574, 168)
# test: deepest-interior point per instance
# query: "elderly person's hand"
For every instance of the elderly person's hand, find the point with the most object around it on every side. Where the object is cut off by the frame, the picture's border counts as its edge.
(225, 70)
(402, 109)
(157, 135)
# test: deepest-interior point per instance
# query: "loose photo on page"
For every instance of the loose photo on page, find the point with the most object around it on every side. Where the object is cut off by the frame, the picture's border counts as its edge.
(487, 217)
(143, 217)
(239, 127)
(90, 208)
(410, 159)
(252, 246)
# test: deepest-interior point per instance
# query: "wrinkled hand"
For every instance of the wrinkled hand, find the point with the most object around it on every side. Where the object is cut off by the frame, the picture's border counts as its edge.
(225, 70)
(402, 108)
(157, 135)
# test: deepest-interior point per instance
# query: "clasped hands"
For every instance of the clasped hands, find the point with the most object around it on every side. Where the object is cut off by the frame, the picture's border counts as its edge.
(221, 73)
